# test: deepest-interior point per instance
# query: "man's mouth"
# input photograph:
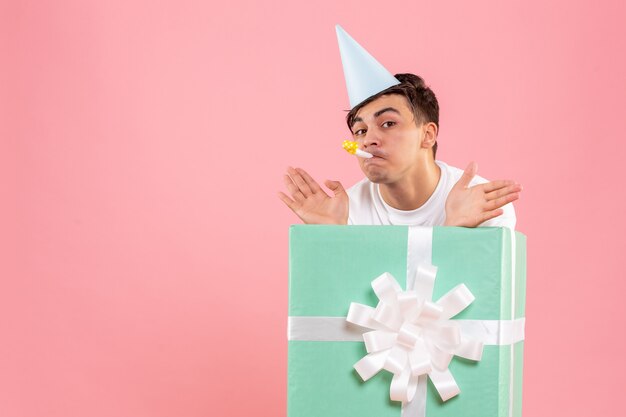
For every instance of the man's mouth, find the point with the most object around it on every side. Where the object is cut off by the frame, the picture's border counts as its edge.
(373, 159)
(376, 154)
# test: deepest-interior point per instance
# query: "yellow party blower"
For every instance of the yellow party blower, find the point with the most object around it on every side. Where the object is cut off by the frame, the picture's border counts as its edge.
(353, 148)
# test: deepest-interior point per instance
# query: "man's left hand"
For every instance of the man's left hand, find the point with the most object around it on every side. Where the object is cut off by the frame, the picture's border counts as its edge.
(470, 206)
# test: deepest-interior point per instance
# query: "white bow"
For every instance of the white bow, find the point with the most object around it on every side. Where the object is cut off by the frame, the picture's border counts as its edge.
(412, 335)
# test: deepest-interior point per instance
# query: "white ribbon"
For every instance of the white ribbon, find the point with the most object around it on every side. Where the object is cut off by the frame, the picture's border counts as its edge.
(336, 329)
(412, 335)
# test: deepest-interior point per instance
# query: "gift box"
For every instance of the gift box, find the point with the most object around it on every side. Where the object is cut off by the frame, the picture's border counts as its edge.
(337, 271)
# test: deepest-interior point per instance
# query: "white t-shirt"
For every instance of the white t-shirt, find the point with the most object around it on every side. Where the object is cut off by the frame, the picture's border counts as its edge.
(368, 207)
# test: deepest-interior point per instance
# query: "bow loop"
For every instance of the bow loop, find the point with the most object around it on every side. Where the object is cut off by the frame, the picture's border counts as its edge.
(379, 340)
(386, 288)
(455, 301)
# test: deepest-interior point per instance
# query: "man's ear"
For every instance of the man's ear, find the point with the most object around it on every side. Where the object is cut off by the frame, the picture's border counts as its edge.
(430, 135)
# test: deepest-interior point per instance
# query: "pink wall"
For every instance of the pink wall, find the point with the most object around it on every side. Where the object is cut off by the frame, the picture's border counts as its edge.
(144, 250)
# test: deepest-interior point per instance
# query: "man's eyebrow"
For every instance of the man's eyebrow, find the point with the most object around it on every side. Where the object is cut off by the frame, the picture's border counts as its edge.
(378, 113)
(355, 120)
(386, 109)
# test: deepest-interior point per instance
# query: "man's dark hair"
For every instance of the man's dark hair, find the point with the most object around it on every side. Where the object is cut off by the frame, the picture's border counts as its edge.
(421, 99)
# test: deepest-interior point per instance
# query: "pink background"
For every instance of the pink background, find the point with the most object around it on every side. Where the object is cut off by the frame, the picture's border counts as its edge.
(144, 250)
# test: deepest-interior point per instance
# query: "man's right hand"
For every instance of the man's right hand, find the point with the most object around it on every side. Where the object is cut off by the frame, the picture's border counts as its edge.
(311, 203)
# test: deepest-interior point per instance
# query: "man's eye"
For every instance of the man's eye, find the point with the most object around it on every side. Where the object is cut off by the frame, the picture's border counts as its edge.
(388, 124)
(359, 132)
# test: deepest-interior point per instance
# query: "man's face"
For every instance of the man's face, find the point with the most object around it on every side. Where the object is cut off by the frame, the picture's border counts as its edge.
(387, 129)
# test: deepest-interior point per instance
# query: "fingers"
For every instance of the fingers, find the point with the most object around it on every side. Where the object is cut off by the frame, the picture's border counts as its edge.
(468, 175)
(299, 181)
(501, 201)
(295, 192)
(501, 192)
(288, 201)
(488, 215)
(496, 185)
(335, 187)
(313, 185)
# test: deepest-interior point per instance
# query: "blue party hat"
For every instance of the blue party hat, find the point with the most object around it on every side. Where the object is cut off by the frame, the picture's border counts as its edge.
(365, 76)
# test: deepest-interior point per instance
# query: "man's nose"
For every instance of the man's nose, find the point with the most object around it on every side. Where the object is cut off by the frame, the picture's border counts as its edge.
(371, 139)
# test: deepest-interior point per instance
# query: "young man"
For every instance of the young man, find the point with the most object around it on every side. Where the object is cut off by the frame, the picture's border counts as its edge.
(397, 123)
